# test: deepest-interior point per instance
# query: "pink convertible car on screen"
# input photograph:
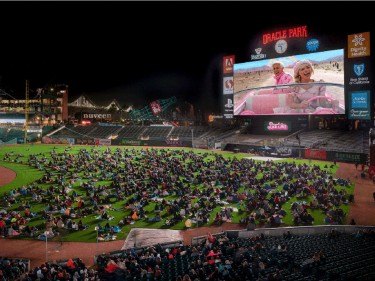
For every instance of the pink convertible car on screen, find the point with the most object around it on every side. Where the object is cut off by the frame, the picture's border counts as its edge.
(276, 100)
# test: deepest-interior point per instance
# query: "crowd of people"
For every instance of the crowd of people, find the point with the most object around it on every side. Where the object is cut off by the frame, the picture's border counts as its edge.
(260, 257)
(177, 185)
(72, 270)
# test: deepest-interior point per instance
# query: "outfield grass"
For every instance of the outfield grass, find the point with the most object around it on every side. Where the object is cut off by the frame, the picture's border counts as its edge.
(27, 175)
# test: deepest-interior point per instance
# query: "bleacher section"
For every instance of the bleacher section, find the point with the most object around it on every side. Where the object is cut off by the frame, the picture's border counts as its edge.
(355, 141)
(105, 132)
(348, 141)
(74, 132)
(156, 132)
(187, 133)
(3, 132)
(13, 134)
(131, 132)
(94, 131)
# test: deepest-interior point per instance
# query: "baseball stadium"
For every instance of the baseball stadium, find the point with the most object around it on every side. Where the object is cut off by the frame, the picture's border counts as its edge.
(279, 185)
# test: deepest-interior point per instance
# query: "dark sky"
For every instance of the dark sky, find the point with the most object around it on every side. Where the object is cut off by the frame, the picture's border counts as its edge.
(137, 52)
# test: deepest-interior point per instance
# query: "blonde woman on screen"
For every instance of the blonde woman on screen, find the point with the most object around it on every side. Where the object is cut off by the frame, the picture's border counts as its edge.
(303, 72)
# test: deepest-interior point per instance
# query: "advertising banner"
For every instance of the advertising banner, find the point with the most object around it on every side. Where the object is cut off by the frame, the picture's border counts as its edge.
(272, 126)
(359, 79)
(315, 154)
(155, 107)
(162, 143)
(128, 142)
(359, 45)
(94, 116)
(102, 142)
(359, 75)
(228, 62)
(359, 105)
(228, 86)
(228, 106)
(347, 157)
(48, 140)
(85, 141)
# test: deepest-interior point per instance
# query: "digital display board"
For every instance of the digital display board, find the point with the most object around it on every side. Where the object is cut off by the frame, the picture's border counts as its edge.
(301, 84)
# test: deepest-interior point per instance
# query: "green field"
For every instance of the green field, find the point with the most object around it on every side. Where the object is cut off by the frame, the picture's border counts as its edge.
(27, 175)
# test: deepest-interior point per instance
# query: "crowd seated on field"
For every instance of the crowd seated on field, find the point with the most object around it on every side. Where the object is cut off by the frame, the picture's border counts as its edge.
(157, 218)
(141, 178)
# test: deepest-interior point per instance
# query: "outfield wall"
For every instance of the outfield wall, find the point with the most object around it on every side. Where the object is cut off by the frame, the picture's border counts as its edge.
(306, 153)
(125, 142)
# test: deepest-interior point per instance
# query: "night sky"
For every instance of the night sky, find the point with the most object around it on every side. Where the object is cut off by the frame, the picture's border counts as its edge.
(137, 52)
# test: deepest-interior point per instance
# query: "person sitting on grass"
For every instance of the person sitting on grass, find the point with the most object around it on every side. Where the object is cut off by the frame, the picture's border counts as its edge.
(104, 215)
(157, 218)
(217, 219)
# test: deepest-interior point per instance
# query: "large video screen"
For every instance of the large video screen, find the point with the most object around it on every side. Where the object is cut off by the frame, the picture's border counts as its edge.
(301, 84)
